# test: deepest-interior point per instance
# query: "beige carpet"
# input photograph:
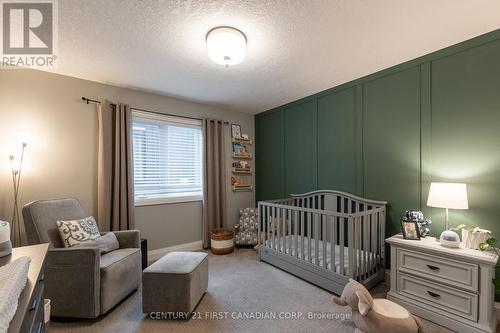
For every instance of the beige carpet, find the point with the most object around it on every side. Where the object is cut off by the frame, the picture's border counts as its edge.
(239, 285)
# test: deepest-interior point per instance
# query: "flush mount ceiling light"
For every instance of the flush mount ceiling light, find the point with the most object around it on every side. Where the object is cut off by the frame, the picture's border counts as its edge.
(226, 46)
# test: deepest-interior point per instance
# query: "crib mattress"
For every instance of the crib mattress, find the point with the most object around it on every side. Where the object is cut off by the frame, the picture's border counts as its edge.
(366, 257)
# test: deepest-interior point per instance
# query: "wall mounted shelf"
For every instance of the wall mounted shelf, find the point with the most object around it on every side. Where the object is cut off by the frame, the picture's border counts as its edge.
(242, 188)
(249, 156)
(247, 171)
(241, 140)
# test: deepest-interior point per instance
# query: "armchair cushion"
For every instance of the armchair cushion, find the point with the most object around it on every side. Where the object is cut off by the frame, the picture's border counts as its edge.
(75, 232)
(105, 243)
(128, 238)
(121, 274)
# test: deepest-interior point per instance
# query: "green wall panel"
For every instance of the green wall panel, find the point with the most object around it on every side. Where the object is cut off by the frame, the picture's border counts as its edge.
(300, 148)
(391, 142)
(387, 135)
(269, 156)
(466, 131)
(337, 141)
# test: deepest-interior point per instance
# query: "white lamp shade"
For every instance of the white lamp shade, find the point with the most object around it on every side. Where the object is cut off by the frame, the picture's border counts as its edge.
(448, 195)
(226, 46)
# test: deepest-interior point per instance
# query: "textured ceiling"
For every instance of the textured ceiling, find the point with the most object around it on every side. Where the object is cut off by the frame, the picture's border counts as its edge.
(295, 47)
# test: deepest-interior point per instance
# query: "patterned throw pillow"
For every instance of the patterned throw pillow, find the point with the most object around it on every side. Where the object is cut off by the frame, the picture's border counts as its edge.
(78, 231)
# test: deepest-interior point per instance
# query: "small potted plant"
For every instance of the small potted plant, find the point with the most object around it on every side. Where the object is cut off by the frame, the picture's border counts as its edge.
(473, 236)
(488, 243)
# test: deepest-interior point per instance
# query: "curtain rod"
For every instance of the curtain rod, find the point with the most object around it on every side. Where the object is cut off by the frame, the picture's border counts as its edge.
(88, 100)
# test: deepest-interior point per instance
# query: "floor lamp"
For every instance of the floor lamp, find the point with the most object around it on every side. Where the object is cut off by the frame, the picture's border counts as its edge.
(16, 180)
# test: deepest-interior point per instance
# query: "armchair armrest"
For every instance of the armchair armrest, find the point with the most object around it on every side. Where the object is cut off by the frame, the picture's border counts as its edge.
(73, 281)
(128, 238)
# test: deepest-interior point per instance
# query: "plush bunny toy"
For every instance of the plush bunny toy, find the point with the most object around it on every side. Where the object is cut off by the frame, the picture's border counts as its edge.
(377, 315)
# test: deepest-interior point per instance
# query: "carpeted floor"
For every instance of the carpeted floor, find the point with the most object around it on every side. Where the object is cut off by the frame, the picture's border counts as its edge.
(239, 286)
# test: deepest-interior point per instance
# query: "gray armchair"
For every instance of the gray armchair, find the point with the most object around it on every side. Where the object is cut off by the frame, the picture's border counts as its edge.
(81, 282)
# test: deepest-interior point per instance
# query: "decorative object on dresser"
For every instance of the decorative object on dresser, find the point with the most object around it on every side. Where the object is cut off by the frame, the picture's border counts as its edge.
(247, 229)
(449, 286)
(29, 315)
(473, 236)
(5, 243)
(410, 229)
(448, 196)
(423, 223)
(81, 281)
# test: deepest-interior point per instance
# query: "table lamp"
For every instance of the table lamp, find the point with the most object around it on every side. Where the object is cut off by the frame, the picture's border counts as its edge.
(448, 196)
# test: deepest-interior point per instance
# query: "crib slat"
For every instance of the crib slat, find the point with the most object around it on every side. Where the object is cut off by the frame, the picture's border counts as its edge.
(274, 226)
(341, 245)
(285, 230)
(366, 242)
(295, 233)
(316, 239)
(373, 243)
(333, 242)
(351, 246)
(268, 226)
(358, 266)
(325, 254)
(289, 231)
(382, 238)
(302, 231)
(309, 231)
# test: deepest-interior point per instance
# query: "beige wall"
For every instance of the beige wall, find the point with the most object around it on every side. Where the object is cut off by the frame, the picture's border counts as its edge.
(61, 160)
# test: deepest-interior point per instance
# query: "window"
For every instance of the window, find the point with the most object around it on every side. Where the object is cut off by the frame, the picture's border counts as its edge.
(167, 155)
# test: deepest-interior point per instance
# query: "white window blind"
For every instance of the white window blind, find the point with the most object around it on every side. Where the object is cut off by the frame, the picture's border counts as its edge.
(167, 155)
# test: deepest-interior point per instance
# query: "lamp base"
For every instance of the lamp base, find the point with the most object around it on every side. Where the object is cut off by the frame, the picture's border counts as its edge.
(449, 238)
(5, 248)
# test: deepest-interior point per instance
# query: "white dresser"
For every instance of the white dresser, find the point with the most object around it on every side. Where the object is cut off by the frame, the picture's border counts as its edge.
(451, 287)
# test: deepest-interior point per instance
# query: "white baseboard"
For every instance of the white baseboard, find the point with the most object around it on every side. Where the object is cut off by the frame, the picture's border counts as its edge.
(154, 255)
(387, 281)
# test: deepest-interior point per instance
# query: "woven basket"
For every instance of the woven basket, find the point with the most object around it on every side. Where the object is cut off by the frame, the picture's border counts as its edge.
(222, 241)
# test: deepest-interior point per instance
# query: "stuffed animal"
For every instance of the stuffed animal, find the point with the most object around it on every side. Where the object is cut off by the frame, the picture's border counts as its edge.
(377, 315)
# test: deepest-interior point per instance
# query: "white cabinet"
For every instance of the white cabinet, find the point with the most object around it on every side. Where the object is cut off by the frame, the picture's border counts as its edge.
(451, 287)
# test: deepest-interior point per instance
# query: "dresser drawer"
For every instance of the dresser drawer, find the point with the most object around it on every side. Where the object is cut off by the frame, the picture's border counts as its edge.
(452, 272)
(431, 294)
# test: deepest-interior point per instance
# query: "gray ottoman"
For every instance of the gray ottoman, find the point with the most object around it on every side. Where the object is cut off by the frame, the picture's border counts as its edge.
(175, 283)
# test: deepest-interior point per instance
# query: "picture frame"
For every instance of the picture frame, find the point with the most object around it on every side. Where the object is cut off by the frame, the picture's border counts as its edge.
(410, 229)
(235, 131)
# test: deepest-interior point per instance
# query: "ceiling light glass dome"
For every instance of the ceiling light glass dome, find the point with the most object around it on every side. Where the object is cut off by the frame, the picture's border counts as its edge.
(226, 46)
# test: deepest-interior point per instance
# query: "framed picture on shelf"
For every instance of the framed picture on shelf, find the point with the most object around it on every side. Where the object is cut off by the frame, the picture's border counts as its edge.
(235, 131)
(240, 149)
(410, 229)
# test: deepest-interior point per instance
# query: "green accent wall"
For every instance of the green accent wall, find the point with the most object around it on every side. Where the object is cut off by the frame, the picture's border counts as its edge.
(386, 136)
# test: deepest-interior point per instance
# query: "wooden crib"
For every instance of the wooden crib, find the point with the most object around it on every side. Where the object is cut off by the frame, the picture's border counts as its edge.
(325, 237)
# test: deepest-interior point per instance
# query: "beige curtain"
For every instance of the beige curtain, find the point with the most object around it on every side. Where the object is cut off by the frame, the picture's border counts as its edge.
(115, 197)
(214, 188)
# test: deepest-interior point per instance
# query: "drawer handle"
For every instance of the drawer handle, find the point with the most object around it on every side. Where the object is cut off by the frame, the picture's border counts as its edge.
(433, 294)
(41, 278)
(434, 268)
(40, 327)
(33, 305)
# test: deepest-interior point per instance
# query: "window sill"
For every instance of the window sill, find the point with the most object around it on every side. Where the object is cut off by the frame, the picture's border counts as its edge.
(166, 201)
